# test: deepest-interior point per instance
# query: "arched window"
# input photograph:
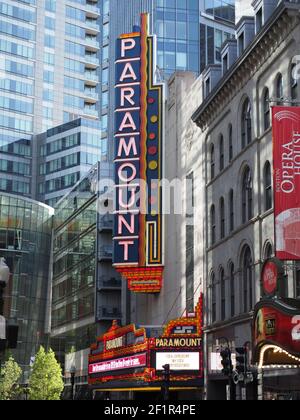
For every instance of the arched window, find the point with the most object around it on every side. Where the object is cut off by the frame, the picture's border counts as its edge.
(213, 298)
(221, 149)
(213, 224)
(247, 196)
(232, 289)
(279, 88)
(246, 123)
(222, 218)
(267, 112)
(223, 294)
(231, 211)
(247, 279)
(294, 82)
(212, 162)
(268, 251)
(268, 186)
(230, 142)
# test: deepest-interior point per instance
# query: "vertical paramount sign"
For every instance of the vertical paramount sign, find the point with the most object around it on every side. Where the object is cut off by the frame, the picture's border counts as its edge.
(138, 230)
(286, 151)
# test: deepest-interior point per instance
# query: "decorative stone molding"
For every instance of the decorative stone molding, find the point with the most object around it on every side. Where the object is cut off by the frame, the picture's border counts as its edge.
(190, 135)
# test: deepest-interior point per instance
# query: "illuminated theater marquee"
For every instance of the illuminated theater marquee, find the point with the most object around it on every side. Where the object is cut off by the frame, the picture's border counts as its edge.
(126, 357)
(138, 254)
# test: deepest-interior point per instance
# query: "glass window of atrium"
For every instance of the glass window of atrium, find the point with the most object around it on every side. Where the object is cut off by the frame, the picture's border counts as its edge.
(25, 243)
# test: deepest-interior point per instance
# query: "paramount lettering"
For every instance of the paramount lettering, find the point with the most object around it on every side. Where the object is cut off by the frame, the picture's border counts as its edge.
(178, 342)
(127, 148)
(138, 141)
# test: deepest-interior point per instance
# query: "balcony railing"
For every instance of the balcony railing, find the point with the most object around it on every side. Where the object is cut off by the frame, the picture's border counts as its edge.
(91, 76)
(91, 8)
(91, 41)
(91, 59)
(93, 24)
(109, 313)
(91, 94)
(105, 282)
(106, 253)
(91, 111)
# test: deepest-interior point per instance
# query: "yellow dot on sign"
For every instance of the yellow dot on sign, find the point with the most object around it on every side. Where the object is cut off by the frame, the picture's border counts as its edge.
(154, 119)
(153, 213)
(153, 165)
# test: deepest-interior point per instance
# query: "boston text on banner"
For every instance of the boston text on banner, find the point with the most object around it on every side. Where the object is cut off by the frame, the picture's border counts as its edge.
(286, 153)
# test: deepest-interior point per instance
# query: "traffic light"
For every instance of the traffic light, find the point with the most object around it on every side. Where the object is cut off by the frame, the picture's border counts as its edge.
(226, 362)
(165, 383)
(241, 360)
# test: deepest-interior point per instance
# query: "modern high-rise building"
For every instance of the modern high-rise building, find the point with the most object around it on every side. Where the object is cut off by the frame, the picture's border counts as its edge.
(49, 75)
(58, 66)
(65, 154)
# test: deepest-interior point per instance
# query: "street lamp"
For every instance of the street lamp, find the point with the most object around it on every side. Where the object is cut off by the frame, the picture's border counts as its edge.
(72, 372)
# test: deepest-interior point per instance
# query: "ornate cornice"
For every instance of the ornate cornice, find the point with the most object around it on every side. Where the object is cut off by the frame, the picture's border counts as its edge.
(284, 20)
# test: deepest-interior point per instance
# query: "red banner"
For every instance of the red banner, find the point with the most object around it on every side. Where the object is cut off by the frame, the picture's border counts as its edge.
(286, 154)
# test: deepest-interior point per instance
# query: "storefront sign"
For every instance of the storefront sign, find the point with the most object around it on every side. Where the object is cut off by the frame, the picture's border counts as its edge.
(270, 274)
(138, 246)
(272, 277)
(286, 154)
(132, 362)
(178, 361)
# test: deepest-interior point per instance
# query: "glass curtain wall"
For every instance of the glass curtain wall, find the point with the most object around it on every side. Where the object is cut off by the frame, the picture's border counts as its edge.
(25, 243)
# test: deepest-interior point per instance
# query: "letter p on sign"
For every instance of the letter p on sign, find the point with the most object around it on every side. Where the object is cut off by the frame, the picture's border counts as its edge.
(127, 45)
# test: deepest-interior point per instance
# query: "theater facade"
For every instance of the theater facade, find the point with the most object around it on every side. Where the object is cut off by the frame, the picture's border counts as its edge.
(129, 360)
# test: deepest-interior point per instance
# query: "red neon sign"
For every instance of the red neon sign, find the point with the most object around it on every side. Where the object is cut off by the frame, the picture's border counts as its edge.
(131, 362)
